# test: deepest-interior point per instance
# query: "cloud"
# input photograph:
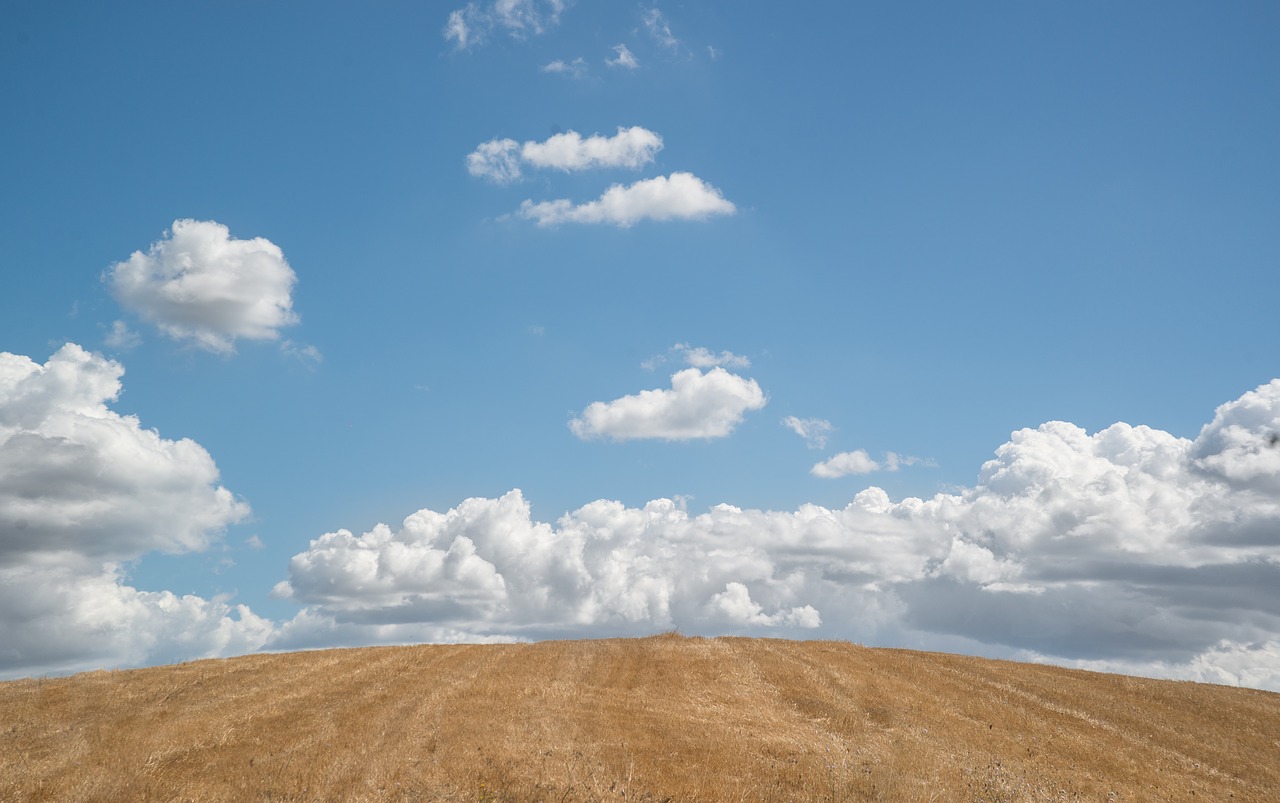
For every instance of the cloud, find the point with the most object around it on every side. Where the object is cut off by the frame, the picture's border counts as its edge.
(200, 284)
(83, 489)
(472, 24)
(658, 28)
(698, 357)
(623, 57)
(122, 337)
(844, 464)
(1129, 549)
(500, 160)
(682, 196)
(814, 430)
(698, 405)
(576, 68)
(859, 462)
(497, 160)
(704, 358)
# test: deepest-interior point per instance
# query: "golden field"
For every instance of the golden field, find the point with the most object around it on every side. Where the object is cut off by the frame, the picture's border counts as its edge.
(662, 718)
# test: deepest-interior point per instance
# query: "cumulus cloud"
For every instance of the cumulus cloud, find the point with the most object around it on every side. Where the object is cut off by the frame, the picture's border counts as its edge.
(1127, 549)
(680, 196)
(83, 488)
(500, 160)
(698, 405)
(200, 284)
(622, 57)
(472, 24)
(815, 431)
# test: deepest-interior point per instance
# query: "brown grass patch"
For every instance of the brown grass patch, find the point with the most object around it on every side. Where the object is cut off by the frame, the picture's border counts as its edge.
(663, 718)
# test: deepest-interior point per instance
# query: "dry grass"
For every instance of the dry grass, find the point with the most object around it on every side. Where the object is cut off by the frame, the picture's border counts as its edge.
(664, 718)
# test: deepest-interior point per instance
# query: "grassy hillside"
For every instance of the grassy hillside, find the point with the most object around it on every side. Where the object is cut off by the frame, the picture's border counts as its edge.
(647, 719)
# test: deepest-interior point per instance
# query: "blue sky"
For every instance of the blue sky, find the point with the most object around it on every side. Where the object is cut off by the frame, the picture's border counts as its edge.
(909, 230)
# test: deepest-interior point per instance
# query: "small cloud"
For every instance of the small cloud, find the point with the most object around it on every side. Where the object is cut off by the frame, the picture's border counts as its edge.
(623, 57)
(698, 405)
(658, 28)
(813, 430)
(254, 542)
(681, 196)
(713, 53)
(497, 160)
(703, 358)
(537, 330)
(845, 463)
(302, 351)
(200, 284)
(122, 337)
(859, 462)
(500, 160)
(574, 69)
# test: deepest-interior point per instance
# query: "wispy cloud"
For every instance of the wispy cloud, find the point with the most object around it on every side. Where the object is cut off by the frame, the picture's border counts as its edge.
(814, 430)
(471, 25)
(656, 23)
(681, 196)
(623, 57)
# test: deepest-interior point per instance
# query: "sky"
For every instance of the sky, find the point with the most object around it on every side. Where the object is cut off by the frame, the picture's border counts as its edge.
(941, 326)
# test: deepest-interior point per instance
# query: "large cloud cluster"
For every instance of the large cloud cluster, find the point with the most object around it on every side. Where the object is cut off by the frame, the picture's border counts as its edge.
(83, 488)
(200, 284)
(1129, 549)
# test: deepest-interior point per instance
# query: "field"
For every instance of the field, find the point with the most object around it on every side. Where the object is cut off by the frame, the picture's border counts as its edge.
(662, 718)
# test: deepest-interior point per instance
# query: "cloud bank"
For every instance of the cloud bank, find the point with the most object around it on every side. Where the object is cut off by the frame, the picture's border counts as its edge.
(1128, 550)
(200, 284)
(680, 196)
(698, 405)
(500, 160)
(82, 489)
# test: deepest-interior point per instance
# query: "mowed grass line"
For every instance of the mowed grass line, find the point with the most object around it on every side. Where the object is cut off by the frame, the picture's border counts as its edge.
(662, 718)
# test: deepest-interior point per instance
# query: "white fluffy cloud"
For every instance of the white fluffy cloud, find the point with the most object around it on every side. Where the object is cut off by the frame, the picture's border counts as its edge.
(500, 160)
(622, 57)
(680, 196)
(198, 283)
(1128, 549)
(815, 431)
(81, 489)
(472, 24)
(698, 405)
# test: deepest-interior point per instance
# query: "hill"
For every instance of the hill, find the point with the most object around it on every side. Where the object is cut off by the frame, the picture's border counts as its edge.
(632, 719)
